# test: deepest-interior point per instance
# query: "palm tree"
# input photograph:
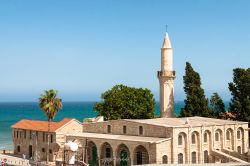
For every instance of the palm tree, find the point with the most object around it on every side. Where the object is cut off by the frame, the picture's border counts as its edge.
(50, 105)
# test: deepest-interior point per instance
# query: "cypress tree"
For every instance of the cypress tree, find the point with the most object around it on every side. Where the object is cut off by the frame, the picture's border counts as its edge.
(217, 105)
(240, 91)
(196, 103)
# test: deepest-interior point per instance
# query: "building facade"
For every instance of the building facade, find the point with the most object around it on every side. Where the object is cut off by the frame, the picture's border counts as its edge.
(30, 137)
(162, 140)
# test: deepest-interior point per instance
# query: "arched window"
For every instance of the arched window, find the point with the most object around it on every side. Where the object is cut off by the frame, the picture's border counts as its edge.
(228, 135)
(206, 159)
(180, 158)
(180, 140)
(164, 159)
(193, 139)
(193, 157)
(205, 137)
(217, 136)
(239, 149)
(18, 148)
(238, 134)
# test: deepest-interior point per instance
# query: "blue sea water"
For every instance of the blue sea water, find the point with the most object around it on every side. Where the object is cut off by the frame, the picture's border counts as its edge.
(10, 113)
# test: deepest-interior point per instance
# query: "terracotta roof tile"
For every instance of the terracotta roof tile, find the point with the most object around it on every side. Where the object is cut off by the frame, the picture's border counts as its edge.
(39, 125)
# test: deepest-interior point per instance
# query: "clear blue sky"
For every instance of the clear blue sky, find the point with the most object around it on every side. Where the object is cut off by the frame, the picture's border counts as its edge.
(82, 48)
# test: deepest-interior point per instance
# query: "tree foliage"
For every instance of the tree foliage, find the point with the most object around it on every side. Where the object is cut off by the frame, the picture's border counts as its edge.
(217, 105)
(50, 105)
(196, 103)
(123, 102)
(240, 91)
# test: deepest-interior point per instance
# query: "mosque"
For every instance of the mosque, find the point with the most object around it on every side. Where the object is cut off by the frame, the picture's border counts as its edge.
(164, 140)
(167, 139)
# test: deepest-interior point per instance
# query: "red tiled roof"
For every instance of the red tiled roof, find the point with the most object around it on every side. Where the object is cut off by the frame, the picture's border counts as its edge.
(40, 125)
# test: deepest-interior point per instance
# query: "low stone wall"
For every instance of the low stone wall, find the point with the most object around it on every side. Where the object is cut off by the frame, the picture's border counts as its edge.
(11, 160)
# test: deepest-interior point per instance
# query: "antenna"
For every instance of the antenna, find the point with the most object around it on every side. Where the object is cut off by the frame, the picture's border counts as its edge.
(166, 27)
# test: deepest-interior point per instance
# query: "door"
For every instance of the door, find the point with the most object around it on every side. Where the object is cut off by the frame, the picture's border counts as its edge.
(30, 151)
(124, 158)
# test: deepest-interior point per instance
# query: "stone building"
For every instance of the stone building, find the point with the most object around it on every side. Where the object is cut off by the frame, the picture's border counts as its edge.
(30, 137)
(162, 140)
(166, 139)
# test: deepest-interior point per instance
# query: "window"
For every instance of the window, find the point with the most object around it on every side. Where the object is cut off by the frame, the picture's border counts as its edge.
(30, 134)
(17, 134)
(205, 137)
(238, 134)
(217, 138)
(37, 135)
(193, 139)
(140, 130)
(109, 129)
(108, 152)
(14, 134)
(180, 158)
(44, 137)
(50, 151)
(193, 157)
(139, 157)
(180, 140)
(239, 149)
(124, 129)
(43, 150)
(164, 159)
(228, 135)
(24, 134)
(51, 138)
(206, 159)
(18, 148)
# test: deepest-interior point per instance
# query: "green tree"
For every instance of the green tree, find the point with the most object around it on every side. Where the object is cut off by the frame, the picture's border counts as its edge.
(123, 102)
(50, 105)
(240, 91)
(196, 103)
(217, 104)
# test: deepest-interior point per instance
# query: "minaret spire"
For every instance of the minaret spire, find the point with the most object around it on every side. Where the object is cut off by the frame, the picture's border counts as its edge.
(166, 78)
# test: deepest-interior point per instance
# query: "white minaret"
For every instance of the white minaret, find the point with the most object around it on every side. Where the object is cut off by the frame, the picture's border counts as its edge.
(166, 78)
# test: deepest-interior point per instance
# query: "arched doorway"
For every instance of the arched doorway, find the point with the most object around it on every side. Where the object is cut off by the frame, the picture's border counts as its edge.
(206, 158)
(141, 155)
(106, 154)
(92, 154)
(123, 155)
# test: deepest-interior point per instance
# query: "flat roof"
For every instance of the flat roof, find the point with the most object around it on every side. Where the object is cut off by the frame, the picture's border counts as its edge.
(186, 121)
(120, 137)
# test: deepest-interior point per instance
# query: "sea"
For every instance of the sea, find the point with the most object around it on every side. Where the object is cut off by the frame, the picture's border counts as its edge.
(11, 113)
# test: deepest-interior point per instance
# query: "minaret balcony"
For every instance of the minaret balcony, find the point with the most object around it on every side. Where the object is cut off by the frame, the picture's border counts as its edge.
(170, 74)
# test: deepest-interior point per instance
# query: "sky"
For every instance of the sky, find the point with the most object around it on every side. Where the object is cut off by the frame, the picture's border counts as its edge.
(83, 48)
